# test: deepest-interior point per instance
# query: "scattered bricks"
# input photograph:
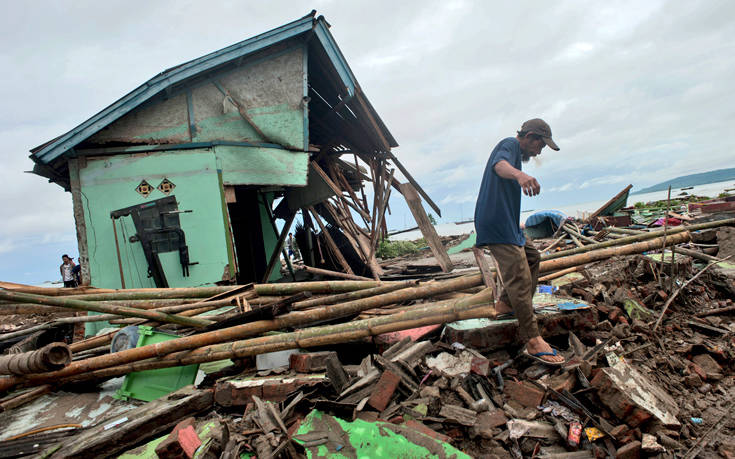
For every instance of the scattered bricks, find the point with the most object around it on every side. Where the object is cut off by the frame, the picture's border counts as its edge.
(172, 447)
(309, 362)
(383, 391)
(650, 445)
(710, 366)
(524, 393)
(421, 427)
(630, 451)
(480, 366)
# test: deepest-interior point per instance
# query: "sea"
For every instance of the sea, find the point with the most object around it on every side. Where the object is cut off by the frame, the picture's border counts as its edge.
(580, 210)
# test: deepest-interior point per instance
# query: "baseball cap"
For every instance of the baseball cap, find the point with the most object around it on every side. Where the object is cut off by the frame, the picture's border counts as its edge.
(540, 127)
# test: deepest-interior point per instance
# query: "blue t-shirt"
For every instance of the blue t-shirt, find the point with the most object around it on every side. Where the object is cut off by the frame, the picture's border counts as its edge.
(498, 208)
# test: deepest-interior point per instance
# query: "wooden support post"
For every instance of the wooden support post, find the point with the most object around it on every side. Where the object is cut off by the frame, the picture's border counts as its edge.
(277, 250)
(330, 242)
(75, 164)
(427, 229)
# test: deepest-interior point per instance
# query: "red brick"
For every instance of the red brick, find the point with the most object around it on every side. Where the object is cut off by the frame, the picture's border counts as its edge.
(480, 366)
(630, 451)
(189, 441)
(524, 393)
(416, 425)
(383, 391)
(309, 362)
(172, 447)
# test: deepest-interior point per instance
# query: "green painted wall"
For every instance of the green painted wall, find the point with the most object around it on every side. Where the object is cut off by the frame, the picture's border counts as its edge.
(109, 184)
(261, 166)
(268, 88)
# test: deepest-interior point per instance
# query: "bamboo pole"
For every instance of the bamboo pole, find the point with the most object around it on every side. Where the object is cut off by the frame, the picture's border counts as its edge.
(292, 319)
(639, 237)
(52, 356)
(579, 234)
(301, 318)
(92, 306)
(558, 274)
(555, 264)
(291, 288)
(334, 299)
(629, 231)
(326, 272)
(475, 306)
(155, 293)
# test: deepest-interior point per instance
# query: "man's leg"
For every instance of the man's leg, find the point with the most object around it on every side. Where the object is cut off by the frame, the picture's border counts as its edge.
(520, 275)
(516, 276)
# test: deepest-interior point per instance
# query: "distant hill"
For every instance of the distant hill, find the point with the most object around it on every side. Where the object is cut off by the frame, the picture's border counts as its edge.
(720, 175)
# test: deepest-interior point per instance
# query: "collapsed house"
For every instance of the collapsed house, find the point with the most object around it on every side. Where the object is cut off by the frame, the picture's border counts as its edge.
(174, 184)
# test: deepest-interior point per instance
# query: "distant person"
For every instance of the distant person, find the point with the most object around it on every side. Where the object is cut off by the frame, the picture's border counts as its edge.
(67, 271)
(497, 221)
(293, 250)
(77, 272)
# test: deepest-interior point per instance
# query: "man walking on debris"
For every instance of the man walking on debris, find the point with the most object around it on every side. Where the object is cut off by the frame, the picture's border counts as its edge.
(497, 217)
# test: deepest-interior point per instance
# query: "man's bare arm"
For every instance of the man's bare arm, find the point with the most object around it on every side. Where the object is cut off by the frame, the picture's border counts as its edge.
(528, 184)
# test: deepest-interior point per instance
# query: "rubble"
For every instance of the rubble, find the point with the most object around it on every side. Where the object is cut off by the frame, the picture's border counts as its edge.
(419, 366)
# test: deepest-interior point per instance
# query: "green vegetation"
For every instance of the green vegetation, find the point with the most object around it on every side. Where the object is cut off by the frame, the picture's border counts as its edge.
(392, 249)
(723, 195)
(432, 220)
(639, 205)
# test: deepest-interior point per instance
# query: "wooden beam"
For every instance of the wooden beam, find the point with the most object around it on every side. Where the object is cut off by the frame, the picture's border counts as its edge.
(413, 182)
(277, 249)
(330, 242)
(427, 229)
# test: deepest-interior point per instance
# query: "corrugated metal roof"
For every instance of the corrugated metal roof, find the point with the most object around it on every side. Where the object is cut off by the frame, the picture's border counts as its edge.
(49, 151)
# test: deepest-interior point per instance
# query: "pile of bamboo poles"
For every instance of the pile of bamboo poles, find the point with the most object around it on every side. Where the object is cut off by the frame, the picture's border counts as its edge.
(331, 301)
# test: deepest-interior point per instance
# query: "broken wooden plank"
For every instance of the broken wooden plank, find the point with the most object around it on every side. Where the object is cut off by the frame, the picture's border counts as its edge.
(136, 426)
(330, 242)
(427, 229)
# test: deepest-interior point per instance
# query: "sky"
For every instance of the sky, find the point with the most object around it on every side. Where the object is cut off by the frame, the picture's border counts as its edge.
(635, 92)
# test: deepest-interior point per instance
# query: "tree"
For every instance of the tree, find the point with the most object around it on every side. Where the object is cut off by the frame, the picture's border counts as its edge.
(432, 220)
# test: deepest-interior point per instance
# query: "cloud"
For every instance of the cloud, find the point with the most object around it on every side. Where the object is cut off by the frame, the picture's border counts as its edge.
(635, 92)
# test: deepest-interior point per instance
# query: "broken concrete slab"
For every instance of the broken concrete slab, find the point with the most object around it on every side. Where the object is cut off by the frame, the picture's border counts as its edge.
(631, 396)
(497, 334)
(238, 391)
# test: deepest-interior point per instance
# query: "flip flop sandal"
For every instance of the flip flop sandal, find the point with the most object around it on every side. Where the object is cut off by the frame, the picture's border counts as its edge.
(538, 356)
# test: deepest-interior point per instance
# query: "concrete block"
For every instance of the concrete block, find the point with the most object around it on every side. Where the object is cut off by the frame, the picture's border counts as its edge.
(490, 334)
(239, 391)
(631, 396)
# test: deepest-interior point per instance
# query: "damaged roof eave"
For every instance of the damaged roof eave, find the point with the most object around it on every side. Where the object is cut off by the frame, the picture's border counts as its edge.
(48, 152)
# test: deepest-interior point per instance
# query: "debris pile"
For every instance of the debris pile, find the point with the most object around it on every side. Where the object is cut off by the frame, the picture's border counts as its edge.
(413, 367)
